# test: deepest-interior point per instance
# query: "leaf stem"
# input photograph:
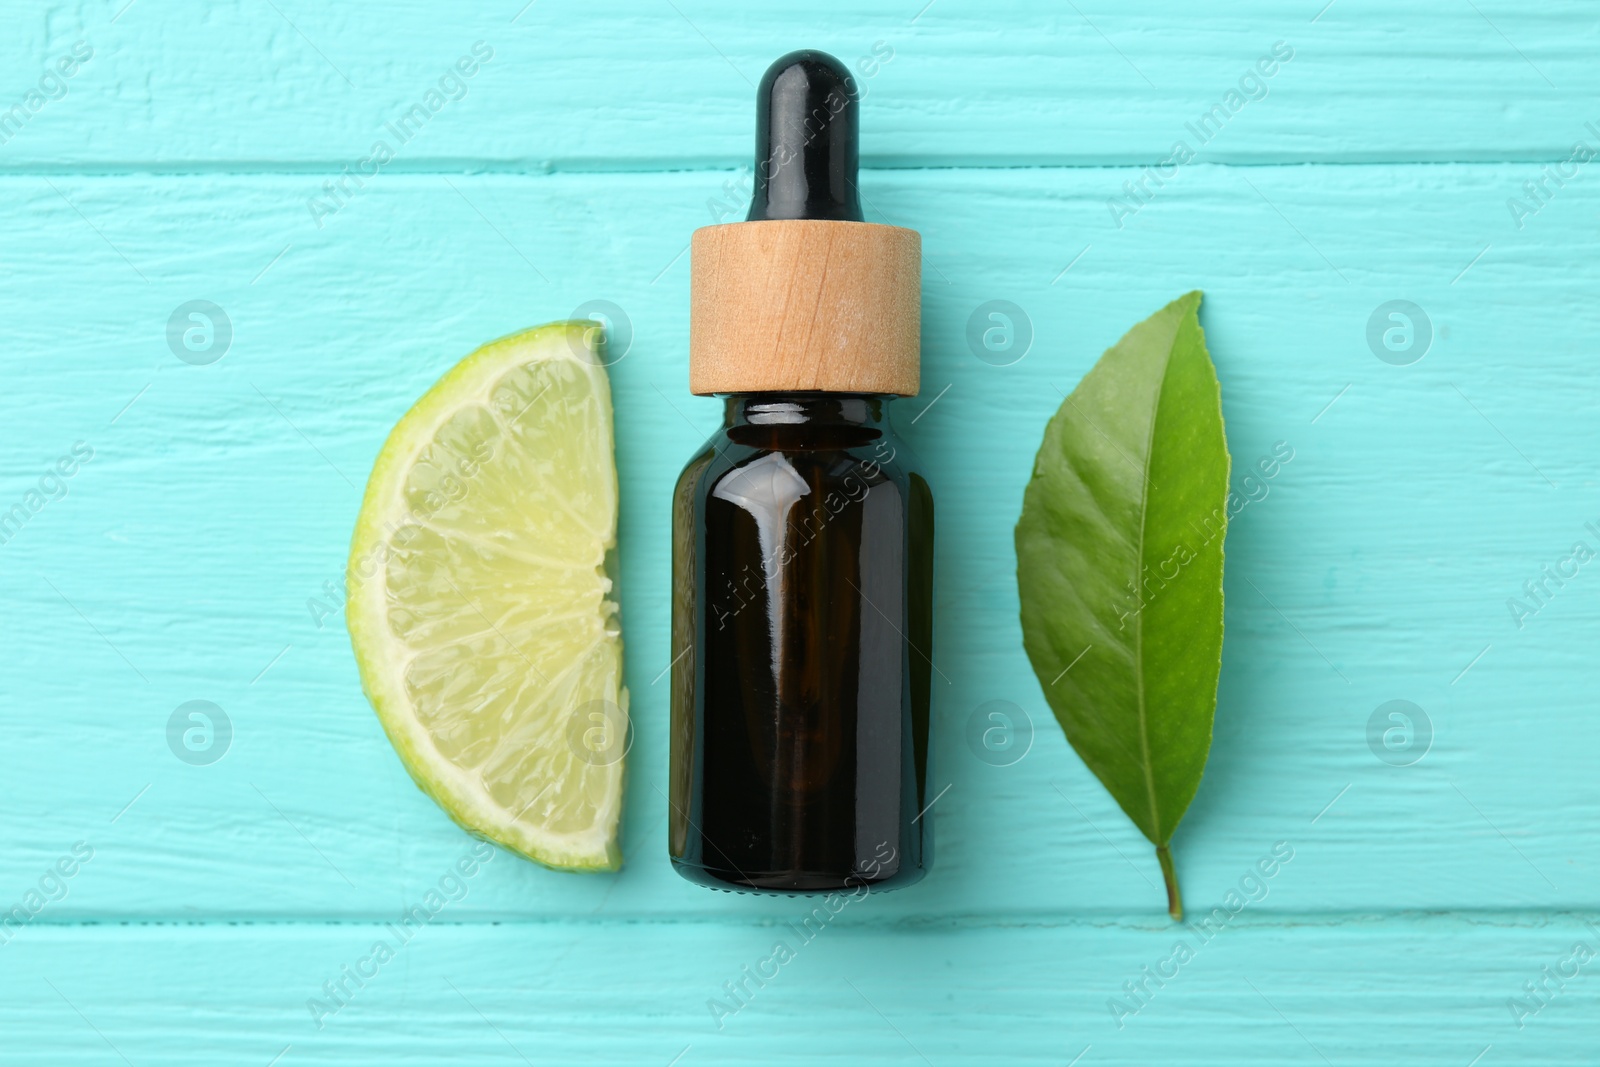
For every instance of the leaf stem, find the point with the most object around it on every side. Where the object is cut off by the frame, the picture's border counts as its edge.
(1170, 875)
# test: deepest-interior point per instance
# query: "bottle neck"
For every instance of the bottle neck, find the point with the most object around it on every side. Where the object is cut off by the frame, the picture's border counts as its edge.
(864, 410)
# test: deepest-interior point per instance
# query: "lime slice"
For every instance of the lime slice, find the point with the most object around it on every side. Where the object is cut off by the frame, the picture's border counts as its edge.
(480, 605)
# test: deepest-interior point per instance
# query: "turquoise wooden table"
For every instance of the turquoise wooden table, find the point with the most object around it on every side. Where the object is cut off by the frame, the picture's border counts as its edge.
(1396, 230)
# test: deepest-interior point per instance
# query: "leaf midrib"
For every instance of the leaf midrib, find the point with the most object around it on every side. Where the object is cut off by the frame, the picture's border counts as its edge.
(1138, 571)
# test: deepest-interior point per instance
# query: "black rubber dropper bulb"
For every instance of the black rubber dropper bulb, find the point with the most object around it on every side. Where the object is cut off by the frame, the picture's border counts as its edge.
(807, 141)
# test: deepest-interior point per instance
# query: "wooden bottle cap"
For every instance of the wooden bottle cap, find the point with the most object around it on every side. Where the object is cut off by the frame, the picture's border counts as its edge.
(802, 305)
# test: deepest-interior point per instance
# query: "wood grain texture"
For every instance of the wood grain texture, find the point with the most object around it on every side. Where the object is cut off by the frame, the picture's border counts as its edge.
(181, 562)
(197, 554)
(805, 304)
(1419, 991)
(619, 84)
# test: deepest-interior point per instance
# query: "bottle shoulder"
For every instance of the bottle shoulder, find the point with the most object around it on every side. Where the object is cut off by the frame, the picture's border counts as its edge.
(885, 460)
(849, 441)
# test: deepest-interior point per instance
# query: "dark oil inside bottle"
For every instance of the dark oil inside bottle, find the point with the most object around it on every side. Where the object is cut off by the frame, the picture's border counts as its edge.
(802, 612)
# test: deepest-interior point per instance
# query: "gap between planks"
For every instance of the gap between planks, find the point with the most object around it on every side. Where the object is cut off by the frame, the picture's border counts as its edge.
(1490, 918)
(471, 168)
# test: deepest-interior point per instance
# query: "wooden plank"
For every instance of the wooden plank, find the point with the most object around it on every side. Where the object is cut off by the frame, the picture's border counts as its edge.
(1351, 992)
(187, 86)
(1419, 499)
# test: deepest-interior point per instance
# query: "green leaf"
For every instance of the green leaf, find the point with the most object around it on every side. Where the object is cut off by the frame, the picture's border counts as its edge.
(1119, 569)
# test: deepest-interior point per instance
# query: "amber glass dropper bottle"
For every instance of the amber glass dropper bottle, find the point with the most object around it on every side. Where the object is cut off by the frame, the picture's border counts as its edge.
(803, 530)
